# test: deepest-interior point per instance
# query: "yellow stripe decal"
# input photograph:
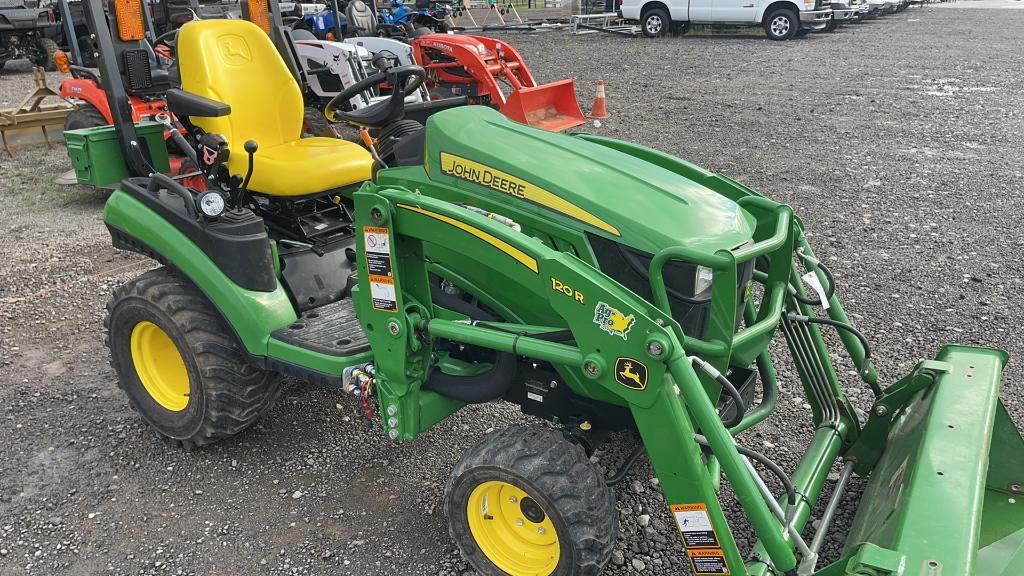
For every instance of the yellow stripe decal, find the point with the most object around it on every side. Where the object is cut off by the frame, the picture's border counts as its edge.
(520, 256)
(488, 177)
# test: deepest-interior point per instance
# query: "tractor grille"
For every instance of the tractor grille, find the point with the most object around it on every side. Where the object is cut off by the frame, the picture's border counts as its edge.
(630, 267)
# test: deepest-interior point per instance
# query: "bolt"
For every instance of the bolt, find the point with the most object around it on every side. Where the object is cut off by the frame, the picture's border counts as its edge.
(881, 411)
(392, 410)
(392, 422)
(394, 328)
(659, 321)
(519, 522)
(586, 426)
(675, 387)
(1015, 487)
(655, 349)
(540, 530)
(393, 434)
(554, 384)
(376, 215)
(512, 499)
(590, 367)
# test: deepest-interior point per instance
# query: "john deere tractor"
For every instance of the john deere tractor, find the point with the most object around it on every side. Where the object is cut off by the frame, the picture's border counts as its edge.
(599, 285)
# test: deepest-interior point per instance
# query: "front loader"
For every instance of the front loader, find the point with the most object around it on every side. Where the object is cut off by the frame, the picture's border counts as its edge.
(599, 285)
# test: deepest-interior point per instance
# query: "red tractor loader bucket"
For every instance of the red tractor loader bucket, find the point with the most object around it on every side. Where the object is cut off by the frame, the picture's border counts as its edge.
(548, 106)
(485, 69)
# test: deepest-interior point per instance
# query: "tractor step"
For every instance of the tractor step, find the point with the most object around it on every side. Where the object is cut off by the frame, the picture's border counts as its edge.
(332, 329)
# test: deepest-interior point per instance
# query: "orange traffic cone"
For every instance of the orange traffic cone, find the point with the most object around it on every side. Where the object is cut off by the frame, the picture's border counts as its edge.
(600, 107)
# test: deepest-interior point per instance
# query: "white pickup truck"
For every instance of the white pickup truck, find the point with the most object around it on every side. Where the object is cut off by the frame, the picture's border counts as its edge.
(781, 19)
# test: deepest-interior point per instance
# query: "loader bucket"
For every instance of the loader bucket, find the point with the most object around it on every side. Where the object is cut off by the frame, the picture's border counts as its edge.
(945, 495)
(548, 106)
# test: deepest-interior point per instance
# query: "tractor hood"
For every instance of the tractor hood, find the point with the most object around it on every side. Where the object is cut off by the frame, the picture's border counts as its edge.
(582, 184)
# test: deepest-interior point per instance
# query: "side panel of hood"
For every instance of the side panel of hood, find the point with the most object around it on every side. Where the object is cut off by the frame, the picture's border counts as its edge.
(603, 190)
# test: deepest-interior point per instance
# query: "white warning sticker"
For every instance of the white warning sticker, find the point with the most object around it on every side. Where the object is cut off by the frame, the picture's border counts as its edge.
(376, 240)
(382, 292)
(695, 525)
(812, 280)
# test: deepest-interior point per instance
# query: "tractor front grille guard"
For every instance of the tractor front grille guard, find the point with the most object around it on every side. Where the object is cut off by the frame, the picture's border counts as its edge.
(783, 302)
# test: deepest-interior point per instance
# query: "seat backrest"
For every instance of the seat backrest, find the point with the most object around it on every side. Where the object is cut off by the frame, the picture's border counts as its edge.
(235, 62)
(362, 20)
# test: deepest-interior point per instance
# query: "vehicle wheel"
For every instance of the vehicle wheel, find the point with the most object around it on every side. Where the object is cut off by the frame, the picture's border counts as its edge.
(781, 24)
(654, 22)
(314, 123)
(525, 500)
(831, 26)
(43, 54)
(180, 366)
(88, 116)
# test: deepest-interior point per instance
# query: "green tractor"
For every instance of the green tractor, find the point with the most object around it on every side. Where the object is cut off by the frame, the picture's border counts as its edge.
(599, 285)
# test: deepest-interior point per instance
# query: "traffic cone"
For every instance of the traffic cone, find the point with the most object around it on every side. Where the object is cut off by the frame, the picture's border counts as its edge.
(600, 107)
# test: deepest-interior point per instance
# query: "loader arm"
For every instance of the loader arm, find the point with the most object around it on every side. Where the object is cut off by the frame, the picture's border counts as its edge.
(632, 349)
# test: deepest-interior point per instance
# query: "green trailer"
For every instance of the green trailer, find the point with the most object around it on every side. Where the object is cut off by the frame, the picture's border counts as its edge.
(599, 285)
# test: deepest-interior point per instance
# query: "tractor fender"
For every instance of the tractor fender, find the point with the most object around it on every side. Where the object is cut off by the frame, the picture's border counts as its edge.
(86, 91)
(252, 314)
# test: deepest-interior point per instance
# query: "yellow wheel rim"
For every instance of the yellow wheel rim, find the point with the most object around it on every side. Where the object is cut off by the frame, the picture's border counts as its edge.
(512, 530)
(160, 366)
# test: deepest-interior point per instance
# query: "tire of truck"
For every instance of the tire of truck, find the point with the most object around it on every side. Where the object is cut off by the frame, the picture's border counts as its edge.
(43, 54)
(654, 22)
(832, 25)
(180, 366)
(781, 24)
(88, 116)
(525, 500)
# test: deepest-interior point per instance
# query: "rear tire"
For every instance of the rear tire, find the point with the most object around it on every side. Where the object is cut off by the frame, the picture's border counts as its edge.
(527, 489)
(832, 24)
(180, 365)
(43, 56)
(314, 123)
(654, 22)
(88, 116)
(781, 24)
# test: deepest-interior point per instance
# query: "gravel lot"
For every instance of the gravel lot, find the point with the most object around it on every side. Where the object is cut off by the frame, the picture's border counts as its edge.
(899, 141)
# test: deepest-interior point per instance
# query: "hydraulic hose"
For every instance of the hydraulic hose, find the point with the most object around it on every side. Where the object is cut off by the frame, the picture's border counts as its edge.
(765, 461)
(484, 387)
(741, 406)
(866, 365)
(623, 470)
(813, 263)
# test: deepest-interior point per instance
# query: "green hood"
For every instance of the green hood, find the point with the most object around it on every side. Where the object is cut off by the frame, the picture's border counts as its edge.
(591, 186)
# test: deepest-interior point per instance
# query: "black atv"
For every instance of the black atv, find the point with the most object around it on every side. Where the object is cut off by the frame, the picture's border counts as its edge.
(27, 31)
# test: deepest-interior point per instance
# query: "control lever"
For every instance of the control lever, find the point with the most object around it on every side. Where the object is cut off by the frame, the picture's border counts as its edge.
(250, 148)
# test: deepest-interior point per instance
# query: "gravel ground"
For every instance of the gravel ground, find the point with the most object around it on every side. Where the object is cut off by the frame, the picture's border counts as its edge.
(898, 141)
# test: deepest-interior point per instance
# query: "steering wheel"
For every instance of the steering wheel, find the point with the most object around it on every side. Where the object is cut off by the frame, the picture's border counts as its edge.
(404, 80)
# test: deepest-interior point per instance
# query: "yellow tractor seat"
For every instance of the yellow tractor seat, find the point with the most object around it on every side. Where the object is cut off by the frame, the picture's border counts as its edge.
(234, 62)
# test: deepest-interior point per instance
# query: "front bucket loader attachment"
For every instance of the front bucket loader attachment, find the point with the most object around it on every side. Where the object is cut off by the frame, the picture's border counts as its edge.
(947, 468)
(548, 106)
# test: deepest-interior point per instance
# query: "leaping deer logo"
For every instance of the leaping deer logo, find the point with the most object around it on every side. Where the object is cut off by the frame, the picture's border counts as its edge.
(631, 373)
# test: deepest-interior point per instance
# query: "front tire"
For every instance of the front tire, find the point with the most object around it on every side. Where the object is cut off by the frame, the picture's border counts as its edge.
(88, 116)
(43, 55)
(179, 364)
(655, 22)
(525, 500)
(781, 24)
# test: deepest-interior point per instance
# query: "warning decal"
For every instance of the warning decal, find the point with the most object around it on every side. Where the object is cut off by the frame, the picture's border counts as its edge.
(382, 291)
(708, 561)
(378, 267)
(695, 526)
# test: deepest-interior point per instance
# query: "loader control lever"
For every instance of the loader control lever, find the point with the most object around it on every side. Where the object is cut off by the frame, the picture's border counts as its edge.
(404, 80)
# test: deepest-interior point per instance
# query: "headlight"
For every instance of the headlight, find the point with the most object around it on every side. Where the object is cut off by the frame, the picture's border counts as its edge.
(211, 203)
(702, 281)
(809, 4)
